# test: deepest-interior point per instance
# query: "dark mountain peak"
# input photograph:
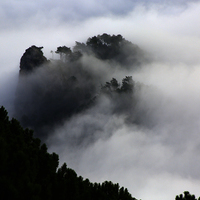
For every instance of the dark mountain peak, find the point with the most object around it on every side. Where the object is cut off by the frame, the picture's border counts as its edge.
(31, 59)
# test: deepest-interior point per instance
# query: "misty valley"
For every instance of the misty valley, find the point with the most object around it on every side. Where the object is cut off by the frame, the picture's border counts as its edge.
(86, 95)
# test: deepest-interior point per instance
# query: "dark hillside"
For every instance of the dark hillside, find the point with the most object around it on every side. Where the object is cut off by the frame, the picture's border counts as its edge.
(28, 171)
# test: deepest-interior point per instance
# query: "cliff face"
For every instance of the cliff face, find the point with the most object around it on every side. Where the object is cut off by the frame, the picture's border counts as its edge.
(31, 59)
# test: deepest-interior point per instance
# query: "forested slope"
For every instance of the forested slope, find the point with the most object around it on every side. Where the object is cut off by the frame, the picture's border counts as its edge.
(28, 171)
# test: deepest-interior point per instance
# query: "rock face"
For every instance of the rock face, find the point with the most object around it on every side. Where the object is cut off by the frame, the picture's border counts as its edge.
(31, 59)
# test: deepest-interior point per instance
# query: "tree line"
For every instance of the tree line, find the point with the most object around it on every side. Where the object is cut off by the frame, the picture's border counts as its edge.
(105, 47)
(28, 171)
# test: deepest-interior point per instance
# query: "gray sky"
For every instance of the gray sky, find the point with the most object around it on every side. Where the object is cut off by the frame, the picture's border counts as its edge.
(154, 164)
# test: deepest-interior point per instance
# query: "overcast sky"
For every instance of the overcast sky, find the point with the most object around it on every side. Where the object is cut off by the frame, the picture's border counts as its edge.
(154, 164)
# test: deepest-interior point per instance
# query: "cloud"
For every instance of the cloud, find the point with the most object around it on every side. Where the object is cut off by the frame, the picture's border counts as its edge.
(149, 160)
(44, 13)
(156, 160)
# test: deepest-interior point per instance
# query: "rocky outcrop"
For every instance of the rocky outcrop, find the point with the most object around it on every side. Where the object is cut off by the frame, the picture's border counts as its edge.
(32, 59)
